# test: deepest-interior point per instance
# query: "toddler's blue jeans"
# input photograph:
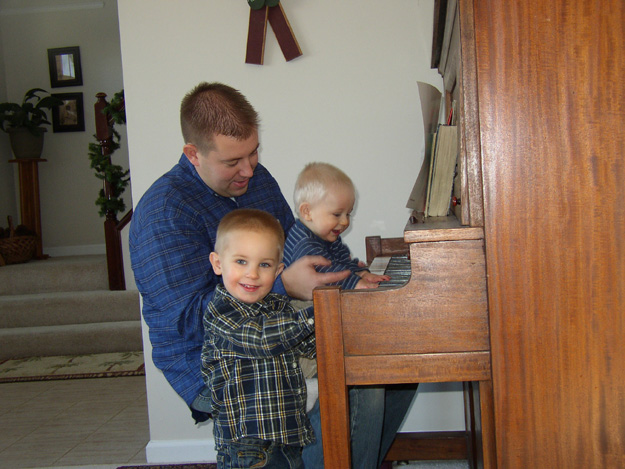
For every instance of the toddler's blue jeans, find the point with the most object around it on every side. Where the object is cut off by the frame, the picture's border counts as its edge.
(254, 452)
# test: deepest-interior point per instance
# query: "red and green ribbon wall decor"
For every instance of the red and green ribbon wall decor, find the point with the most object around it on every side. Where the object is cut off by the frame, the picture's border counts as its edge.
(262, 11)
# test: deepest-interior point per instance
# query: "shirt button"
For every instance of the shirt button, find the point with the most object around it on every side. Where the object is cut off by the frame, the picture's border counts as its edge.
(311, 321)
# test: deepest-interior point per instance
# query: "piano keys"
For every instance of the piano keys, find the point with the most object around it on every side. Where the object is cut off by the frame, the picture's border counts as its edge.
(396, 267)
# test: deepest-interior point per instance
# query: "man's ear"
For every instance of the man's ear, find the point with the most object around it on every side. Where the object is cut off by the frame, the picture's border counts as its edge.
(304, 211)
(215, 262)
(191, 153)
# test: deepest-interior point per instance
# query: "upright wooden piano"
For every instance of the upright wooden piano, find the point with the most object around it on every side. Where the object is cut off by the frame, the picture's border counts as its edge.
(432, 329)
(539, 88)
(435, 328)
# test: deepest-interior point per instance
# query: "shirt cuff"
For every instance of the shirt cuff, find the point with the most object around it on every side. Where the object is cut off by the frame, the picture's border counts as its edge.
(201, 406)
(308, 316)
(350, 282)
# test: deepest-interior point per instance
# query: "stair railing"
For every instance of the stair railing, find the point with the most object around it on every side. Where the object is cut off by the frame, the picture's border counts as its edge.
(112, 227)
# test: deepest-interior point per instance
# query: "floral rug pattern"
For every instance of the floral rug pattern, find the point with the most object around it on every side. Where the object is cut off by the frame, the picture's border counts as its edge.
(101, 365)
(174, 466)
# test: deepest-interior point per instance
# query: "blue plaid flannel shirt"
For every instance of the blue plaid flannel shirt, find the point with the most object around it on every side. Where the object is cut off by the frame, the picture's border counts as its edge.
(250, 361)
(172, 234)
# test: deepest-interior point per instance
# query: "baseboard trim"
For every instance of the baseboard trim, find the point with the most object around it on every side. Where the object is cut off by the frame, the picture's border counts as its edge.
(180, 451)
(407, 446)
(84, 250)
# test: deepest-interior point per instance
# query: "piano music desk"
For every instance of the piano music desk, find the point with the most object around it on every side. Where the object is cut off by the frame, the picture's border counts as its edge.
(432, 329)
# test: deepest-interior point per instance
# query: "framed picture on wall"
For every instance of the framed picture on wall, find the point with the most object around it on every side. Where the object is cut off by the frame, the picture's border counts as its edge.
(65, 69)
(69, 116)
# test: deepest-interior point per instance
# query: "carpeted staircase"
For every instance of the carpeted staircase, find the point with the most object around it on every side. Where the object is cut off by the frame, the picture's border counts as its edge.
(62, 306)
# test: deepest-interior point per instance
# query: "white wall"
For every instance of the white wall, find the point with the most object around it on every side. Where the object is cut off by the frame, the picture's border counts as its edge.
(68, 186)
(351, 99)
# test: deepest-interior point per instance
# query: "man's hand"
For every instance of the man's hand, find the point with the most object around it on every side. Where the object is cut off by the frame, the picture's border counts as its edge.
(301, 278)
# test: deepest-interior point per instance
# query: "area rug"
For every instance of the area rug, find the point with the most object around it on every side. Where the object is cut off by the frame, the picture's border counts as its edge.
(101, 365)
(173, 466)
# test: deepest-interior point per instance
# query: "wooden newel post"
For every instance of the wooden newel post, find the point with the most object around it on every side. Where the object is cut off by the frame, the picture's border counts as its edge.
(114, 258)
(102, 127)
(112, 237)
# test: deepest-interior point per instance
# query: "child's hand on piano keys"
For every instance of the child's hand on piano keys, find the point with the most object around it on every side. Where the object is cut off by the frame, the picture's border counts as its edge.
(372, 278)
(369, 280)
(365, 284)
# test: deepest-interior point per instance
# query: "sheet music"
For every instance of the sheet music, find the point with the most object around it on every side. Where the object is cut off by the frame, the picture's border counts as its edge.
(378, 265)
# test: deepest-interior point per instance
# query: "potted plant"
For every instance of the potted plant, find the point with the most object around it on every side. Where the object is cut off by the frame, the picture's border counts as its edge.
(25, 122)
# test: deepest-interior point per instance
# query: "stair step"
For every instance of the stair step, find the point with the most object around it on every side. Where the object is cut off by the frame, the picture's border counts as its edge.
(61, 308)
(73, 339)
(56, 274)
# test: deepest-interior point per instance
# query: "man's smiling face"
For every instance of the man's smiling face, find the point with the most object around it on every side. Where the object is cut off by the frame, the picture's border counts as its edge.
(228, 166)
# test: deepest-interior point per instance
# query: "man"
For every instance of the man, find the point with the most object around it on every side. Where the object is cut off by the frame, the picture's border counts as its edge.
(173, 232)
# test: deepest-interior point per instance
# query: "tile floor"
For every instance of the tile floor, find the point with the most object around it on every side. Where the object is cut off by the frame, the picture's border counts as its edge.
(80, 422)
(86, 423)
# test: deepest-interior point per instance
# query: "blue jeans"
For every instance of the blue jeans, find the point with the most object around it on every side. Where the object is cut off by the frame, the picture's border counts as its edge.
(375, 414)
(254, 452)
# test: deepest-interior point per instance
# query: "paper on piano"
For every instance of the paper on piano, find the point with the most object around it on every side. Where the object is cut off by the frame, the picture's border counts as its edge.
(430, 98)
(418, 199)
(378, 265)
(443, 166)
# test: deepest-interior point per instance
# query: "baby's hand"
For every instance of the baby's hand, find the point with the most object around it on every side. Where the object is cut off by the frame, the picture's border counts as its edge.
(365, 284)
(373, 278)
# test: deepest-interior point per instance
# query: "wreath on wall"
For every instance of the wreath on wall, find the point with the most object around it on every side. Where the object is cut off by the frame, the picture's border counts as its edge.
(261, 13)
(258, 4)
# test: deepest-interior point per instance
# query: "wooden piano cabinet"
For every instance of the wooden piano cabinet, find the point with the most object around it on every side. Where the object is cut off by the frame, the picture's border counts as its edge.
(377, 246)
(539, 88)
(433, 329)
(454, 55)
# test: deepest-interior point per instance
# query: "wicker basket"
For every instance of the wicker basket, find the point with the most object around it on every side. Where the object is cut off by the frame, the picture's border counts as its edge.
(17, 249)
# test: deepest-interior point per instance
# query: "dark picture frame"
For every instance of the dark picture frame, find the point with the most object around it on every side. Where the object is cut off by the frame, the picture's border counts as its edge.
(65, 67)
(69, 116)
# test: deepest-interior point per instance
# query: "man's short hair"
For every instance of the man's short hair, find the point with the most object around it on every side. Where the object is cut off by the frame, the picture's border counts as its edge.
(250, 219)
(315, 180)
(212, 109)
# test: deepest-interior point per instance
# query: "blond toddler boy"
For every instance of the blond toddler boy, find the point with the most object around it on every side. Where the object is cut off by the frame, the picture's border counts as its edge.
(253, 342)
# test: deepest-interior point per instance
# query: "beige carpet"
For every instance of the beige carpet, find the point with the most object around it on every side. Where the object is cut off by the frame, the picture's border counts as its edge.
(101, 365)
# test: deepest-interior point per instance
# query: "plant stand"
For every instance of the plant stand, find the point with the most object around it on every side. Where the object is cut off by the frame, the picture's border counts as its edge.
(30, 209)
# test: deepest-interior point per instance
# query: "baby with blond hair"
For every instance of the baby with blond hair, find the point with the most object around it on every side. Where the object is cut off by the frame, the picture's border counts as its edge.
(324, 199)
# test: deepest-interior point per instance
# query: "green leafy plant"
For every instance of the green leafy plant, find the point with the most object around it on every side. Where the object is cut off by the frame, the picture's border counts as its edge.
(30, 114)
(113, 174)
(116, 108)
(258, 4)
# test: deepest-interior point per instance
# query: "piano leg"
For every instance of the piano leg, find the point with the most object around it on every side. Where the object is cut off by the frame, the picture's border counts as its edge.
(480, 423)
(487, 414)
